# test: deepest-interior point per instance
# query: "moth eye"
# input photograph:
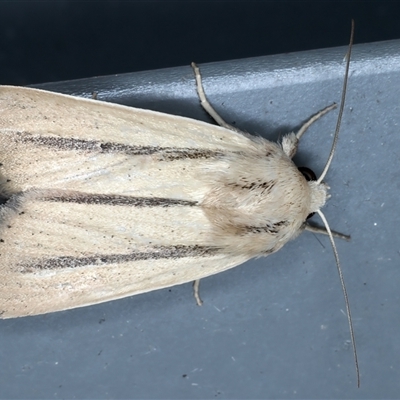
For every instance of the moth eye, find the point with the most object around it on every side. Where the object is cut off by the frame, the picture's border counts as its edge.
(310, 176)
(308, 173)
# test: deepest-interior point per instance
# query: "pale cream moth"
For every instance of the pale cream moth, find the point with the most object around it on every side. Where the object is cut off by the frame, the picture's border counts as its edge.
(106, 201)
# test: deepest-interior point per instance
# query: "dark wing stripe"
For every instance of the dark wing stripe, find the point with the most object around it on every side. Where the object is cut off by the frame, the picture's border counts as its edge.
(165, 153)
(115, 200)
(155, 253)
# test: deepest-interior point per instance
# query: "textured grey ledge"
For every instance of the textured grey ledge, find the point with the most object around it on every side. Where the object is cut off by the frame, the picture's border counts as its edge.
(272, 327)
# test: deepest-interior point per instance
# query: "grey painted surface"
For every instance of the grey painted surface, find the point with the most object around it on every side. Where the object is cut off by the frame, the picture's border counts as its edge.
(273, 327)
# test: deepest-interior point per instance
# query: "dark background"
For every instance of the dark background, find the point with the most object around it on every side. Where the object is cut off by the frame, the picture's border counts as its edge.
(61, 40)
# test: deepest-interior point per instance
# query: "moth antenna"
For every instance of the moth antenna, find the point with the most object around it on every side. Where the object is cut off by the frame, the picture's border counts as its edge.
(346, 297)
(341, 108)
(322, 216)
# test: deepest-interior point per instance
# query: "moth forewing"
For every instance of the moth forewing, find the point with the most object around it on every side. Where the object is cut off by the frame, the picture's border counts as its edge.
(90, 217)
(106, 201)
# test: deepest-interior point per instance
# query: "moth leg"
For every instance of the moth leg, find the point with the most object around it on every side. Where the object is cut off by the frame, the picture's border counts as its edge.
(323, 231)
(206, 104)
(290, 141)
(196, 292)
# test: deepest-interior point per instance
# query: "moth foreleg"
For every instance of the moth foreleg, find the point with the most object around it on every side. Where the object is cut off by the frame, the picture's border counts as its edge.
(196, 292)
(290, 141)
(206, 104)
(323, 231)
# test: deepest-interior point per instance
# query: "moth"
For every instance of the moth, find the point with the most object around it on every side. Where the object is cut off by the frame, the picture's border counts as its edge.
(103, 201)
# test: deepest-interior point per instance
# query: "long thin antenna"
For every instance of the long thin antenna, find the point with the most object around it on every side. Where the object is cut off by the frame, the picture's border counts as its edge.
(328, 230)
(346, 297)
(342, 101)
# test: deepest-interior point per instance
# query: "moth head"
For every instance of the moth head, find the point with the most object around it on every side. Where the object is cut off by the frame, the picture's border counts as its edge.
(318, 191)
